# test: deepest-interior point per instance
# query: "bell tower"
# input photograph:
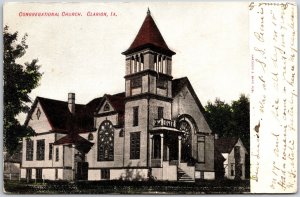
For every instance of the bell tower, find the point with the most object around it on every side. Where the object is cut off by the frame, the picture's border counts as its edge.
(148, 88)
(148, 62)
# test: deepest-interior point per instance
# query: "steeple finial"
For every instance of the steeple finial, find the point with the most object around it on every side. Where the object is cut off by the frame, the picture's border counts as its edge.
(148, 11)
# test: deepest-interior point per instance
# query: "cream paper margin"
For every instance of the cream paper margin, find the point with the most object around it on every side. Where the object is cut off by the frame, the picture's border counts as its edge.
(273, 102)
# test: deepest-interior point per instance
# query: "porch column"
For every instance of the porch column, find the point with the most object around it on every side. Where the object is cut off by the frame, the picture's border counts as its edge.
(179, 149)
(150, 149)
(161, 149)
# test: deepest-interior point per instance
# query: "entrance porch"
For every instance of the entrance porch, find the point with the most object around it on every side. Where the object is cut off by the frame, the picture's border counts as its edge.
(165, 152)
(75, 147)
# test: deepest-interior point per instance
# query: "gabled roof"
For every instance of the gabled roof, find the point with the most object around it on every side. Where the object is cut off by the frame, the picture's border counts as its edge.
(218, 157)
(178, 84)
(149, 36)
(91, 106)
(58, 112)
(60, 118)
(225, 145)
(117, 101)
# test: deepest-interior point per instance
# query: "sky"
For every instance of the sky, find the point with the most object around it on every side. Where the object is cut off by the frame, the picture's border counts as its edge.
(83, 54)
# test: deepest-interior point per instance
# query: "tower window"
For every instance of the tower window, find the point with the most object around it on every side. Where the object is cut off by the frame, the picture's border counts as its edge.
(135, 145)
(159, 63)
(136, 82)
(132, 62)
(157, 147)
(155, 62)
(142, 62)
(160, 112)
(137, 63)
(162, 83)
(164, 63)
(135, 116)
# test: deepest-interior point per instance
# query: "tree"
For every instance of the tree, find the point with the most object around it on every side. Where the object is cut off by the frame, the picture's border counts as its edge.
(219, 118)
(230, 120)
(19, 81)
(241, 119)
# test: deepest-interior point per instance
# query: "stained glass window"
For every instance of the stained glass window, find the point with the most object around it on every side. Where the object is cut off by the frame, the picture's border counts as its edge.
(186, 142)
(106, 141)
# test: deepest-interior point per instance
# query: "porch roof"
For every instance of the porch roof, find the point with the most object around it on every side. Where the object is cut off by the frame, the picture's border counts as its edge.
(165, 130)
(80, 142)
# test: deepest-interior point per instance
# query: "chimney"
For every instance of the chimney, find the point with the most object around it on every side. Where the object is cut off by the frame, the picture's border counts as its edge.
(71, 102)
(216, 136)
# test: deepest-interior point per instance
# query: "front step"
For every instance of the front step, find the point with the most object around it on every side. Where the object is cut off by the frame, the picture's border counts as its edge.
(183, 177)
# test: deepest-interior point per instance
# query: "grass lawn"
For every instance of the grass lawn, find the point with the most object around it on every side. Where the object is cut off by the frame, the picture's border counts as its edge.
(125, 187)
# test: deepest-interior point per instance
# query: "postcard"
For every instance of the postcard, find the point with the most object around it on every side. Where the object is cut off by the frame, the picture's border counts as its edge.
(150, 98)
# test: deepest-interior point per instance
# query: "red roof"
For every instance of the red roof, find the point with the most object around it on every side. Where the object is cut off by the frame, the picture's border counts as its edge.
(118, 103)
(80, 143)
(149, 36)
(61, 119)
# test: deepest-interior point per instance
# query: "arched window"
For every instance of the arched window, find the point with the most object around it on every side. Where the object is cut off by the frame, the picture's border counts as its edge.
(106, 141)
(90, 137)
(106, 107)
(186, 141)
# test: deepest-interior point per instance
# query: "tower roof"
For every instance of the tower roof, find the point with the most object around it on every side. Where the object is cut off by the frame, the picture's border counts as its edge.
(149, 36)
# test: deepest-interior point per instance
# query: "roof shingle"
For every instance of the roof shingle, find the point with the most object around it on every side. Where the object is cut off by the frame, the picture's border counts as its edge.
(149, 36)
(225, 145)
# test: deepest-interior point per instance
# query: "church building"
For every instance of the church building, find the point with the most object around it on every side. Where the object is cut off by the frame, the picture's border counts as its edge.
(156, 129)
